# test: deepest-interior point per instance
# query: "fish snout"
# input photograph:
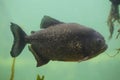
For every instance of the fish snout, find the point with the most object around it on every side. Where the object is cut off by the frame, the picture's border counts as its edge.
(101, 45)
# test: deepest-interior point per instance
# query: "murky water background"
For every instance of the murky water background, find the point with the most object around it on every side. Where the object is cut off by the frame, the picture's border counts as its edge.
(28, 14)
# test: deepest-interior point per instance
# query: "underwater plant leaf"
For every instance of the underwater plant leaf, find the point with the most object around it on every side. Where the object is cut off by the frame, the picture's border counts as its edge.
(118, 50)
(118, 34)
(113, 16)
(39, 78)
(12, 70)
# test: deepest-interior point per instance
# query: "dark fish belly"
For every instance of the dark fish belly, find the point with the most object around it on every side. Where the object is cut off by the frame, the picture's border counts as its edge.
(65, 53)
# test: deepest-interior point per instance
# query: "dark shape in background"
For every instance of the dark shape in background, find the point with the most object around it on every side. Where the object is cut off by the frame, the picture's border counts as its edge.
(113, 16)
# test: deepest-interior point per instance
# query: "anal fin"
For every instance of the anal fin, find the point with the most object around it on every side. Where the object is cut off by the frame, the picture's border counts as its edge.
(40, 60)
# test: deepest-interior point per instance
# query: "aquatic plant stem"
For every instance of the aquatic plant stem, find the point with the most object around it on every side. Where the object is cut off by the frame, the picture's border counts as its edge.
(12, 70)
(39, 77)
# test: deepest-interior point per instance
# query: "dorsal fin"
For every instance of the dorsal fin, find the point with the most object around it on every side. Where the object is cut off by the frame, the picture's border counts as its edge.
(48, 21)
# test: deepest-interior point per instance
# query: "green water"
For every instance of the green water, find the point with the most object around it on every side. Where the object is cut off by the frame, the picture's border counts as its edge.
(28, 14)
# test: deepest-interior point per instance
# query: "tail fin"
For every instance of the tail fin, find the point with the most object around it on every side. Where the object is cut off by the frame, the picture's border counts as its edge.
(19, 40)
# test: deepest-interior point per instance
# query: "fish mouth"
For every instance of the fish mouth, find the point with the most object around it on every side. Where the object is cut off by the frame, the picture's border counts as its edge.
(103, 48)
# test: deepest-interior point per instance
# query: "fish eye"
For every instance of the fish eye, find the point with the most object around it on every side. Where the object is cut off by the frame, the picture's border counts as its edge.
(98, 42)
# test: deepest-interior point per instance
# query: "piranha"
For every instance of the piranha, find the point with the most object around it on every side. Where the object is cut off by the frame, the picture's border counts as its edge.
(58, 41)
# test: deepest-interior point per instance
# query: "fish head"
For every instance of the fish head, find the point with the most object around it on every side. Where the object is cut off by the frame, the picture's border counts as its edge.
(95, 44)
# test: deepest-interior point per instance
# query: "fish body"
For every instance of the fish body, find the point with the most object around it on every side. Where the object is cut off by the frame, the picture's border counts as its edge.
(59, 41)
